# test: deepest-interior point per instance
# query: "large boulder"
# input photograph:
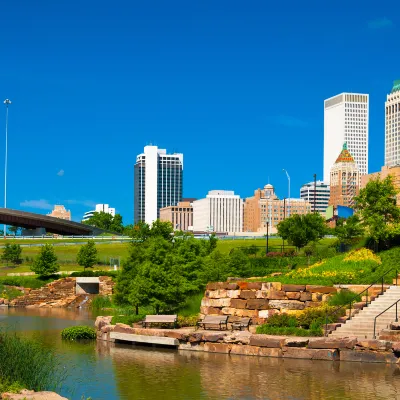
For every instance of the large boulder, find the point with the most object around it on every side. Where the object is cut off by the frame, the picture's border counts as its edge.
(267, 341)
(102, 321)
(286, 304)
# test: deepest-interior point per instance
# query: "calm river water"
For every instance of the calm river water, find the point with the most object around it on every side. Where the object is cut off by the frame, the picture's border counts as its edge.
(105, 371)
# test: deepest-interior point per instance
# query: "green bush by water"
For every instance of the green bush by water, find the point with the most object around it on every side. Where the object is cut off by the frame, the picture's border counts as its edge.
(289, 330)
(100, 302)
(26, 363)
(127, 319)
(192, 305)
(308, 322)
(78, 333)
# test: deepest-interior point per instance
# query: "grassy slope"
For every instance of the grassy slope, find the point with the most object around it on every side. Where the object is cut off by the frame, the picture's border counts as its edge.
(67, 254)
(275, 244)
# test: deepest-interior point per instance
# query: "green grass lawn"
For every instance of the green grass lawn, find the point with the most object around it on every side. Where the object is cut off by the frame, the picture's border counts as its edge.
(274, 244)
(67, 257)
(67, 254)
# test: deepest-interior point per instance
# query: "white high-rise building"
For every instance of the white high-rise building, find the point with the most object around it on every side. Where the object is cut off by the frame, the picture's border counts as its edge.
(392, 126)
(319, 192)
(220, 211)
(158, 183)
(346, 119)
(99, 208)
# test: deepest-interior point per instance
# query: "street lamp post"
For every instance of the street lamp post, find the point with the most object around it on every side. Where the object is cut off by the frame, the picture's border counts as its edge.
(288, 213)
(267, 251)
(284, 217)
(7, 102)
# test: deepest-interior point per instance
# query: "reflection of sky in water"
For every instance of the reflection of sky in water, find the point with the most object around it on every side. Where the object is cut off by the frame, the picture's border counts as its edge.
(106, 371)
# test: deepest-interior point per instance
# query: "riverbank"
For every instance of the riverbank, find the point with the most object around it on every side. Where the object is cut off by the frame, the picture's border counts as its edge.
(251, 344)
(32, 395)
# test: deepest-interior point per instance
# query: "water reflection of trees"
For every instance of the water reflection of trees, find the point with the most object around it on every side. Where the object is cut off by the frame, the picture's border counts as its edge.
(168, 374)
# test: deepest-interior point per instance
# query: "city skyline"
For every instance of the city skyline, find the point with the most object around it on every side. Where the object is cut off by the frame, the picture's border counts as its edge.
(85, 100)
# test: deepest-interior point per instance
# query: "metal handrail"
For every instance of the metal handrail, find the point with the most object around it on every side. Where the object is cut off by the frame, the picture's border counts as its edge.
(396, 320)
(380, 280)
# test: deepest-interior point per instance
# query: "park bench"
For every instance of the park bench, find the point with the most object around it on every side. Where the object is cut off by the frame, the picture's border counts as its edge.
(241, 323)
(159, 319)
(213, 321)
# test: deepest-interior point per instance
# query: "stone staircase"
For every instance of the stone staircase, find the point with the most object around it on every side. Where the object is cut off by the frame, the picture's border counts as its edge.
(361, 325)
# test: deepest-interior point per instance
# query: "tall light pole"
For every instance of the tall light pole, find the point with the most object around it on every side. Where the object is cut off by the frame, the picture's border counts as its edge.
(288, 207)
(7, 102)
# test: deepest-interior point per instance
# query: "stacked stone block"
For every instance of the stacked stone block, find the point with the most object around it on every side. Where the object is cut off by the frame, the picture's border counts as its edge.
(59, 293)
(260, 300)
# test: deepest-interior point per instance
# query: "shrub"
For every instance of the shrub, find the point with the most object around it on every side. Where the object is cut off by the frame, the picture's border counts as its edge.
(78, 332)
(9, 292)
(343, 297)
(308, 322)
(293, 331)
(282, 320)
(27, 363)
(127, 319)
(192, 305)
(275, 254)
(310, 316)
(190, 320)
(363, 255)
(112, 274)
(100, 302)
(26, 281)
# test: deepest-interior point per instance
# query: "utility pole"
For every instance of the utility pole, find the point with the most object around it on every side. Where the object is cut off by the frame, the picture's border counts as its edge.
(7, 102)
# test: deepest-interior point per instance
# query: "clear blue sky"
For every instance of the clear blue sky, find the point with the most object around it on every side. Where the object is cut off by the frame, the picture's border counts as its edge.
(237, 86)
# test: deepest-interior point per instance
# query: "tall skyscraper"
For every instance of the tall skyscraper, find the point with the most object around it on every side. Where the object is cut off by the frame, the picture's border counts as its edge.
(346, 120)
(158, 183)
(392, 126)
(320, 195)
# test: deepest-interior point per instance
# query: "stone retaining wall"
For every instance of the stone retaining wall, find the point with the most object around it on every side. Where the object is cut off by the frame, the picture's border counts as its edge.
(60, 293)
(246, 343)
(259, 300)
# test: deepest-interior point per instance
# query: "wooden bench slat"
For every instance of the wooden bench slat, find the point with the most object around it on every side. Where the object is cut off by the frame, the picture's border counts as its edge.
(160, 318)
(218, 320)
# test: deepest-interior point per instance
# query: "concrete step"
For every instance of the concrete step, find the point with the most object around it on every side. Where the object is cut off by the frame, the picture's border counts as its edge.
(362, 322)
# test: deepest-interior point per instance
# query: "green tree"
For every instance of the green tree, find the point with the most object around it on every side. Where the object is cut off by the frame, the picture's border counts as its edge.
(106, 221)
(376, 206)
(160, 273)
(142, 231)
(12, 253)
(299, 230)
(349, 230)
(14, 230)
(45, 263)
(87, 255)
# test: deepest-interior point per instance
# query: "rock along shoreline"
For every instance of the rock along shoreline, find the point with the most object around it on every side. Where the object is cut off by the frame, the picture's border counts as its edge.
(250, 344)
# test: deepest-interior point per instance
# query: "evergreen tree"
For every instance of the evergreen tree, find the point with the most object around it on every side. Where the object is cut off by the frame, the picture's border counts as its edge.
(12, 253)
(45, 263)
(87, 255)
